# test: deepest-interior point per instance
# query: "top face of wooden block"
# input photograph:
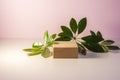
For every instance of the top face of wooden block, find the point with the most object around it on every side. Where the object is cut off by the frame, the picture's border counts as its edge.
(65, 44)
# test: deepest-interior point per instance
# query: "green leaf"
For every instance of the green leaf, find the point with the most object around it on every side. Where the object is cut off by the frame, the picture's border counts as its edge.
(59, 39)
(88, 38)
(63, 38)
(31, 49)
(49, 40)
(93, 47)
(73, 25)
(107, 42)
(46, 36)
(82, 25)
(46, 53)
(63, 34)
(34, 53)
(92, 38)
(92, 33)
(67, 31)
(100, 35)
(53, 36)
(113, 47)
(81, 49)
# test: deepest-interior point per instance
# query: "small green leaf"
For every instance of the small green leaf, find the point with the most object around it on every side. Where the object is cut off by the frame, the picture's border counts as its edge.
(100, 35)
(46, 36)
(92, 33)
(73, 25)
(46, 53)
(53, 36)
(93, 47)
(67, 31)
(31, 49)
(82, 25)
(107, 42)
(28, 49)
(113, 47)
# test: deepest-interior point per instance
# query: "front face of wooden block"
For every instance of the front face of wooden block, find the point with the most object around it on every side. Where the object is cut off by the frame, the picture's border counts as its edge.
(65, 49)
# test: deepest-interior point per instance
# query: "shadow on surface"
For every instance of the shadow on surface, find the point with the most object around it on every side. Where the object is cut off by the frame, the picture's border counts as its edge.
(98, 55)
(115, 51)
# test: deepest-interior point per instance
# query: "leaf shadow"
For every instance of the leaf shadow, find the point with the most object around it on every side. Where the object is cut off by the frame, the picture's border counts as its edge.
(93, 55)
(115, 51)
(98, 55)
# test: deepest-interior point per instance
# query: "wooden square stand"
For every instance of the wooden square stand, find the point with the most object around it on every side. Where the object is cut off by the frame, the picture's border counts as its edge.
(65, 49)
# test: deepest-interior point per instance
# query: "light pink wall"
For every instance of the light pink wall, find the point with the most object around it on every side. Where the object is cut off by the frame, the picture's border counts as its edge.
(30, 18)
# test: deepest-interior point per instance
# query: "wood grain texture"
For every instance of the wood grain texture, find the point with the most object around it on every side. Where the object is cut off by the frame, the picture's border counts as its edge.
(65, 49)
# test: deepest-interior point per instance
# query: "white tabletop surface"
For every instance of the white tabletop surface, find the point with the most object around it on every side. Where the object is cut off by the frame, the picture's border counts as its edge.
(16, 65)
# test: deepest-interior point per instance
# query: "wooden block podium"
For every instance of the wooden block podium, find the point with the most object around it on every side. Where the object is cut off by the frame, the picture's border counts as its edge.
(65, 49)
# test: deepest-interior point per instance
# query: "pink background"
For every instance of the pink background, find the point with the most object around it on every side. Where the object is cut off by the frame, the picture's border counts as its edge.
(30, 18)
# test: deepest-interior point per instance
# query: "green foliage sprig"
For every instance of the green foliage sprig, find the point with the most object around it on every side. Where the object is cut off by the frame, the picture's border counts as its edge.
(42, 48)
(93, 42)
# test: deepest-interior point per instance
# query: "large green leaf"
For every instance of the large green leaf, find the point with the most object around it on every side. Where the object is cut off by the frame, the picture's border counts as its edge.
(82, 25)
(73, 25)
(95, 47)
(91, 39)
(67, 31)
